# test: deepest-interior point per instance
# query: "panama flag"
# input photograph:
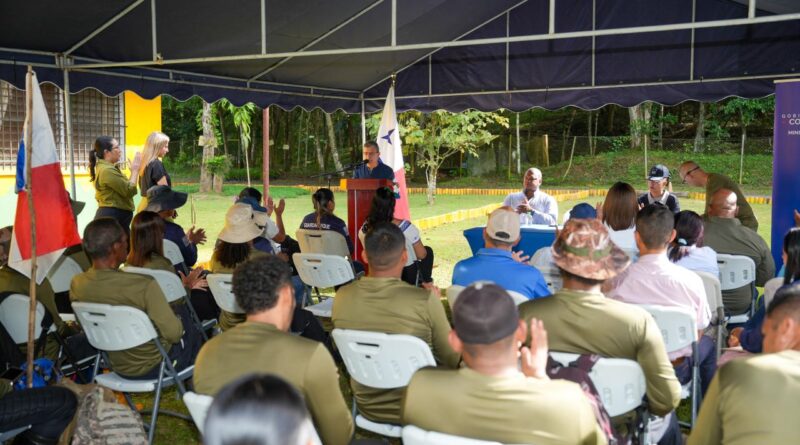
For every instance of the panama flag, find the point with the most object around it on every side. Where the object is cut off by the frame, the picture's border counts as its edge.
(55, 226)
(392, 153)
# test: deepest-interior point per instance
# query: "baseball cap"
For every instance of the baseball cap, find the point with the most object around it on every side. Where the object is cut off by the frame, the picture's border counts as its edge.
(503, 226)
(484, 313)
(583, 211)
(658, 172)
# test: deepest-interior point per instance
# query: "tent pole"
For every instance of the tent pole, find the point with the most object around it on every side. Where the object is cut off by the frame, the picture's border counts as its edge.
(363, 122)
(519, 161)
(68, 142)
(265, 155)
(394, 22)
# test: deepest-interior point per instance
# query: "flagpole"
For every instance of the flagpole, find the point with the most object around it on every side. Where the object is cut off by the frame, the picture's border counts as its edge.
(31, 210)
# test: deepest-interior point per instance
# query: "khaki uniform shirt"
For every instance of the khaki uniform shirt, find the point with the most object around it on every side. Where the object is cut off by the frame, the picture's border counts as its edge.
(141, 292)
(228, 320)
(112, 188)
(515, 409)
(390, 305)
(752, 401)
(728, 235)
(745, 215)
(253, 347)
(587, 322)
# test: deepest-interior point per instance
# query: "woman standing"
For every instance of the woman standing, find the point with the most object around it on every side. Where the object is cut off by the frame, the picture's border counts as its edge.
(658, 189)
(113, 191)
(152, 171)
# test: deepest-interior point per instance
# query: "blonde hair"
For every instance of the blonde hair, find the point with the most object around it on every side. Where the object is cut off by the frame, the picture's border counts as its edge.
(152, 146)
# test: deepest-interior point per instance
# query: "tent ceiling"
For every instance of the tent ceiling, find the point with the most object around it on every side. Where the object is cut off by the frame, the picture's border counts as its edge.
(452, 54)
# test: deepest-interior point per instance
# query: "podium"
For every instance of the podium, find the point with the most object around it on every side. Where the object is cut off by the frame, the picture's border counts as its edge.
(359, 200)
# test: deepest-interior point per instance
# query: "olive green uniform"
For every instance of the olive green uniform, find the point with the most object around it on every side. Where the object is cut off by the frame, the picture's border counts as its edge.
(112, 188)
(729, 236)
(390, 305)
(142, 292)
(507, 409)
(745, 215)
(253, 347)
(588, 322)
(79, 256)
(228, 320)
(752, 401)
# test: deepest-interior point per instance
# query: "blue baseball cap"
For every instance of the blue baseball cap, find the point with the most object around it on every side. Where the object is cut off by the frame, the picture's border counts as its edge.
(583, 211)
(252, 203)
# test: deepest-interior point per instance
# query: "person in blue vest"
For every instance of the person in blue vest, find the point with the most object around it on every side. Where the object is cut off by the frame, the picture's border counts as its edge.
(373, 168)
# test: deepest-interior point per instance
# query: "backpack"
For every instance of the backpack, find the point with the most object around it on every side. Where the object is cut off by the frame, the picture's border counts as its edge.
(102, 420)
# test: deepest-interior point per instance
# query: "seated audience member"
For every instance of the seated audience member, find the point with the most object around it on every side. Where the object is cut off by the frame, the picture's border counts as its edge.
(533, 408)
(755, 400)
(274, 232)
(106, 243)
(496, 263)
(618, 212)
(263, 344)
(381, 302)
(687, 249)
(165, 201)
(5, 244)
(147, 251)
(656, 281)
(75, 253)
(658, 189)
(533, 205)
(692, 174)
(587, 257)
(47, 410)
(725, 234)
(323, 217)
(382, 210)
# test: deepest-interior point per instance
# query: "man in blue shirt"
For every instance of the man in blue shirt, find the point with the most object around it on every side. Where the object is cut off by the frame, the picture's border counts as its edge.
(374, 168)
(496, 262)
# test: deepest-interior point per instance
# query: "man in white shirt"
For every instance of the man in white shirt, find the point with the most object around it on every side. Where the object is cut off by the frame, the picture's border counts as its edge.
(533, 205)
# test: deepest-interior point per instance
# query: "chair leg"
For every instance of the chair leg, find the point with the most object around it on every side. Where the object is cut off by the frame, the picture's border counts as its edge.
(154, 416)
(695, 381)
(171, 372)
(195, 318)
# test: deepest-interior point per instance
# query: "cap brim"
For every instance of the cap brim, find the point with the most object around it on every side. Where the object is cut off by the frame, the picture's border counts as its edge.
(238, 235)
(657, 178)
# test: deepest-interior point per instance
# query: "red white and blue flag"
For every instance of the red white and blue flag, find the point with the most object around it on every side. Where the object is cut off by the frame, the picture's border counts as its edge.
(55, 226)
(392, 153)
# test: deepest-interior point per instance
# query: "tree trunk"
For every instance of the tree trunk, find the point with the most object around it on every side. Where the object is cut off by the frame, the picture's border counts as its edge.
(566, 135)
(611, 119)
(332, 142)
(700, 133)
(246, 158)
(218, 180)
(589, 133)
(661, 128)
(741, 157)
(430, 177)
(317, 147)
(635, 117)
(209, 143)
(221, 118)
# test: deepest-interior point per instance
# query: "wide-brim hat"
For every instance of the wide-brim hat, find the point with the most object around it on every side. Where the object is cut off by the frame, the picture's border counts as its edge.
(242, 224)
(162, 197)
(584, 248)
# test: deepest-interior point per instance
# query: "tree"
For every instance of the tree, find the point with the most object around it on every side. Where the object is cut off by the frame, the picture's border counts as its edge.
(747, 110)
(243, 120)
(332, 142)
(209, 142)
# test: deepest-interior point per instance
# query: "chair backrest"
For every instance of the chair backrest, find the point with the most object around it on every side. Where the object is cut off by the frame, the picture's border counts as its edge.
(14, 317)
(170, 284)
(543, 261)
(452, 294)
(413, 435)
(678, 325)
(198, 405)
(114, 328)
(517, 297)
(60, 275)
(172, 252)
(381, 360)
(322, 271)
(322, 241)
(619, 382)
(735, 271)
(221, 287)
(713, 289)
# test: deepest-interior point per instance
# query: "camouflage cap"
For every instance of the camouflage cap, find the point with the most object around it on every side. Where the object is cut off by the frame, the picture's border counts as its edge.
(583, 248)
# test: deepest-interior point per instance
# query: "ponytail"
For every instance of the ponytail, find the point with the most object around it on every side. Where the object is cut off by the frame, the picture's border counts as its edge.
(321, 198)
(101, 145)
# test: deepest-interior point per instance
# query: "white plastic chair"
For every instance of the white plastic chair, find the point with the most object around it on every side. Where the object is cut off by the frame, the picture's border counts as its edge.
(322, 241)
(678, 328)
(118, 328)
(221, 287)
(714, 295)
(322, 271)
(173, 253)
(413, 435)
(198, 405)
(736, 271)
(60, 275)
(454, 290)
(542, 260)
(383, 361)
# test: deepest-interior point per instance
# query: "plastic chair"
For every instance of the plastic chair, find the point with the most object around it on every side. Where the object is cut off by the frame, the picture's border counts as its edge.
(542, 260)
(679, 329)
(714, 295)
(736, 271)
(384, 361)
(413, 435)
(60, 275)
(322, 241)
(173, 253)
(221, 287)
(454, 290)
(198, 405)
(322, 271)
(118, 328)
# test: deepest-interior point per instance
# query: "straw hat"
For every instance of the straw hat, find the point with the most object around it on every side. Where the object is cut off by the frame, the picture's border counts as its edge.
(583, 248)
(242, 224)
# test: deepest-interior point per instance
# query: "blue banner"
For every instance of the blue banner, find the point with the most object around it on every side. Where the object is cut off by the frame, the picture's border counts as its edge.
(786, 163)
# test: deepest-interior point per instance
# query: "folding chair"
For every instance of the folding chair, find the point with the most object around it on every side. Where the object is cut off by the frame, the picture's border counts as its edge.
(322, 271)
(736, 271)
(384, 361)
(454, 290)
(679, 329)
(413, 435)
(714, 295)
(542, 260)
(60, 275)
(173, 253)
(326, 242)
(117, 328)
(221, 287)
(198, 405)
(172, 287)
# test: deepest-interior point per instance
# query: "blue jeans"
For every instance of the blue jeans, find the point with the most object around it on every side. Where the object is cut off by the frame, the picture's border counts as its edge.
(300, 290)
(708, 365)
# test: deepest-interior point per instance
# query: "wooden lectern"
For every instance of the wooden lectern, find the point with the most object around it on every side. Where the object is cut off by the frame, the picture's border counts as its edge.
(359, 200)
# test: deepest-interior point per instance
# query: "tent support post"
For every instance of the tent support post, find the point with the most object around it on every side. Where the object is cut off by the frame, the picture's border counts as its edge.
(265, 155)
(68, 142)
(394, 22)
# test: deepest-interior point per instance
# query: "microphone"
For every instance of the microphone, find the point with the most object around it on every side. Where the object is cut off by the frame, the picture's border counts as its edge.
(356, 165)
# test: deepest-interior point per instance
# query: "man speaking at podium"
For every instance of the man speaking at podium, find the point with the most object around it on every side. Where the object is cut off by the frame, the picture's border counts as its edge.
(373, 168)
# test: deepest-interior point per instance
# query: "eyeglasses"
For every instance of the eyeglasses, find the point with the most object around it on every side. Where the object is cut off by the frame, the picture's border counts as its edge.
(683, 180)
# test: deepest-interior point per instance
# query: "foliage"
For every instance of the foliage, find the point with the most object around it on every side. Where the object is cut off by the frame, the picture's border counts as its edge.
(748, 110)
(218, 165)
